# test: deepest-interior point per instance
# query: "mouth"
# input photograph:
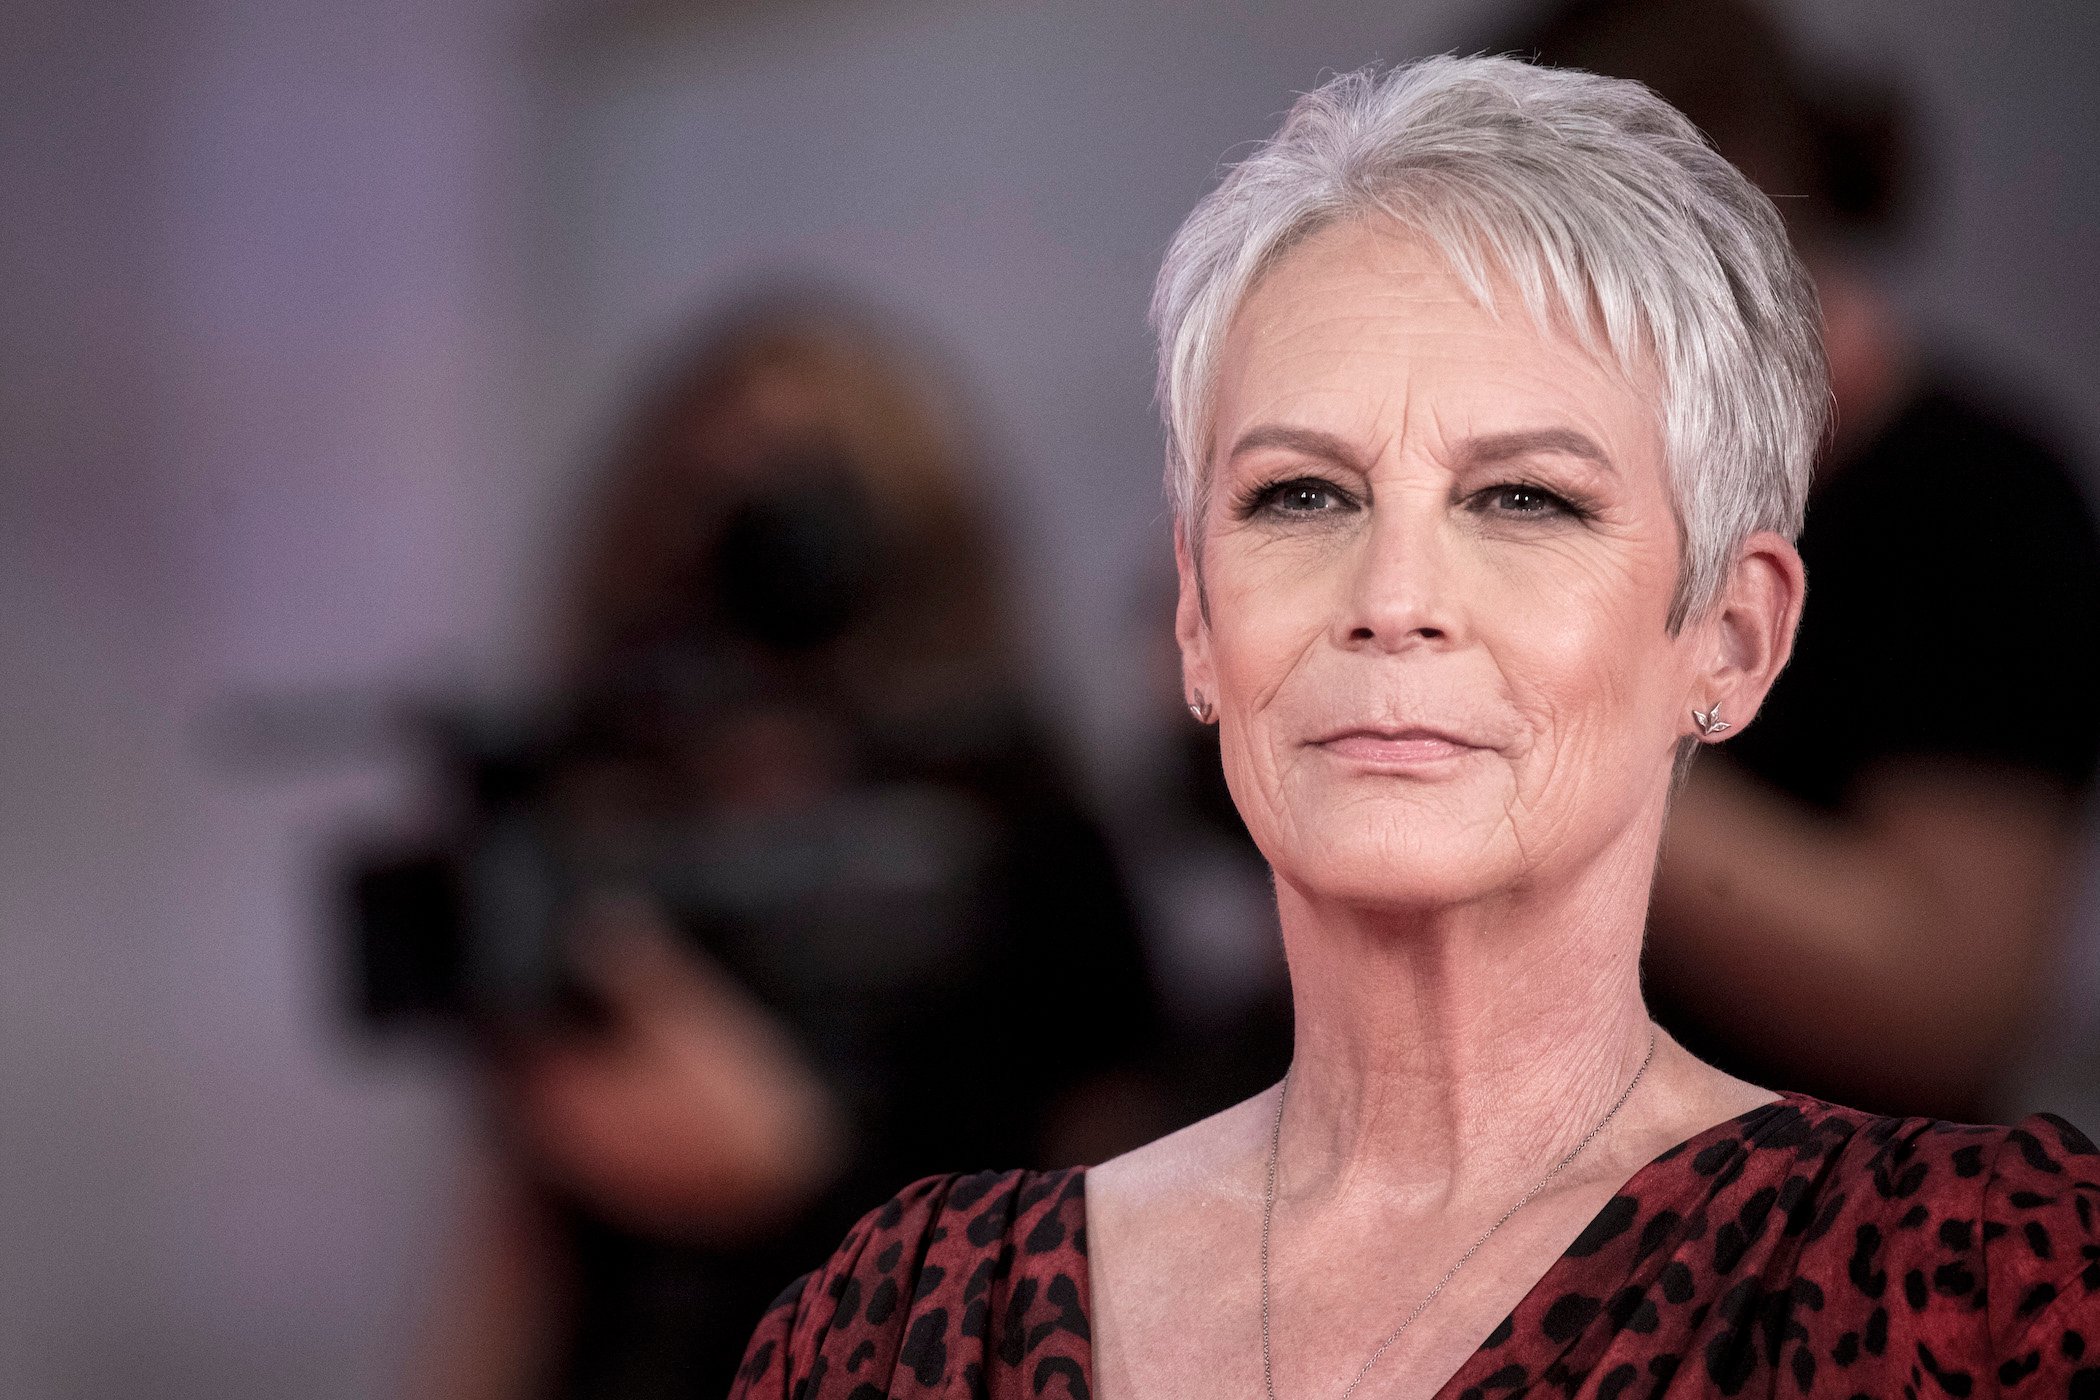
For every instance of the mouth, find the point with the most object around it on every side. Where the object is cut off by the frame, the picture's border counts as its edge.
(1398, 748)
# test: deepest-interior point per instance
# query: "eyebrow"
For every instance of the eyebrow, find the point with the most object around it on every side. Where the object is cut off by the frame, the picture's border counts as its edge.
(1310, 442)
(1504, 447)
(1485, 450)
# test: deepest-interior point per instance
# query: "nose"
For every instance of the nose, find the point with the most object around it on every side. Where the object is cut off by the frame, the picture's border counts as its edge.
(1403, 587)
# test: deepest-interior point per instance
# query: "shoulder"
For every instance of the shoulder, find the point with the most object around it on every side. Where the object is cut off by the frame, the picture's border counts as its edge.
(1951, 1188)
(1146, 1204)
(1194, 1151)
(1971, 1249)
(1905, 1173)
(1816, 1249)
(2040, 1232)
(960, 1283)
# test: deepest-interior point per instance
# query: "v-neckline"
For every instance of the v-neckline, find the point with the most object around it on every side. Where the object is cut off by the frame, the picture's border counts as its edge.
(1483, 1361)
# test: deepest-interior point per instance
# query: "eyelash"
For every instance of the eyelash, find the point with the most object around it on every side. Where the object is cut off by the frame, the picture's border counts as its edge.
(1263, 498)
(1555, 502)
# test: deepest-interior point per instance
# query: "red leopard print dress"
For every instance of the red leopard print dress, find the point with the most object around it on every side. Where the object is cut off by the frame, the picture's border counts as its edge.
(1799, 1250)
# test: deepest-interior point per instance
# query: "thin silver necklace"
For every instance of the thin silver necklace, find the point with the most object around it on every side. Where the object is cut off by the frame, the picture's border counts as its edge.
(1268, 1215)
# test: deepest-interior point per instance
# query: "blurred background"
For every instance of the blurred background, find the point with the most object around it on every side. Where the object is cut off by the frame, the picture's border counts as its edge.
(330, 340)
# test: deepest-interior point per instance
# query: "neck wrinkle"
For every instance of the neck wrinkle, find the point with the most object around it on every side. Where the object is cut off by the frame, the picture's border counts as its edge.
(1451, 1054)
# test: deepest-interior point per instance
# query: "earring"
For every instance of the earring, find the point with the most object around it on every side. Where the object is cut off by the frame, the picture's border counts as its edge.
(1710, 722)
(1200, 709)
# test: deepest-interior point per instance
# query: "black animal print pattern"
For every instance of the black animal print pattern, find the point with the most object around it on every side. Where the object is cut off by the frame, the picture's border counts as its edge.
(1801, 1249)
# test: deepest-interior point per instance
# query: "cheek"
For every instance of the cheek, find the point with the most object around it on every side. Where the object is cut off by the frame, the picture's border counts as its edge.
(1587, 655)
(1269, 617)
(1269, 605)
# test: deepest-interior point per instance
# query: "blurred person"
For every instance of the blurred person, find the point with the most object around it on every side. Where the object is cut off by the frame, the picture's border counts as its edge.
(1867, 900)
(1492, 399)
(841, 906)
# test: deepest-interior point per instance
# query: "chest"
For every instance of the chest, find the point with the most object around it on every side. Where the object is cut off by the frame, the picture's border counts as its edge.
(1178, 1305)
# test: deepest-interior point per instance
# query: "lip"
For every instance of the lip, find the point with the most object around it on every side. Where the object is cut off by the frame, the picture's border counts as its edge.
(1399, 748)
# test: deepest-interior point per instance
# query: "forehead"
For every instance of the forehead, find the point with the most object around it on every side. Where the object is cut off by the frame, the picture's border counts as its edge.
(1365, 327)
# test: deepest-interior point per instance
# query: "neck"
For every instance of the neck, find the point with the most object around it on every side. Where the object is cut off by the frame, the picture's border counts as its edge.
(1448, 1052)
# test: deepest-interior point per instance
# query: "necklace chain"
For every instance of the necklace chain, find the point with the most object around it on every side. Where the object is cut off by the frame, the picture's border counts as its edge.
(1268, 1213)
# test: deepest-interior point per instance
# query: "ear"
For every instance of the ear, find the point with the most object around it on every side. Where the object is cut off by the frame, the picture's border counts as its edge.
(1748, 633)
(1192, 623)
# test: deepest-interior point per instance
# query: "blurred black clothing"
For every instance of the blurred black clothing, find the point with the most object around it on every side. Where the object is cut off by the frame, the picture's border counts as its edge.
(948, 1032)
(1953, 614)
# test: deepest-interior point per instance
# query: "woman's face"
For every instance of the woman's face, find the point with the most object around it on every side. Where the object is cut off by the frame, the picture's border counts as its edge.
(1438, 562)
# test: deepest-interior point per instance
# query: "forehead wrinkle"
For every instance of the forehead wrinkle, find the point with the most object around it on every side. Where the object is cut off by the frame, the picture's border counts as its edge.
(1410, 272)
(1393, 408)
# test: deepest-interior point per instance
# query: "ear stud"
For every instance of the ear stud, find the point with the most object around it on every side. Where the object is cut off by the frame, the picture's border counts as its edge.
(1710, 723)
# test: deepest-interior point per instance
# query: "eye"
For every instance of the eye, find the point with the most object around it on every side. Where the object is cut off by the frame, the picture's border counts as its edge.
(1299, 496)
(1523, 500)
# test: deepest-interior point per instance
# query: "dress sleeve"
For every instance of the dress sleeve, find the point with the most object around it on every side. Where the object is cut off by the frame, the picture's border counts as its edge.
(790, 1351)
(2041, 1236)
(764, 1372)
(968, 1286)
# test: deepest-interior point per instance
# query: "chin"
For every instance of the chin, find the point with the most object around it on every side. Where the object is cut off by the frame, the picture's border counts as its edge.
(1398, 856)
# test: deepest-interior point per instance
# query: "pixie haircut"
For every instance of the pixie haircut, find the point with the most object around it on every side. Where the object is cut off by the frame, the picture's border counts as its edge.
(1606, 212)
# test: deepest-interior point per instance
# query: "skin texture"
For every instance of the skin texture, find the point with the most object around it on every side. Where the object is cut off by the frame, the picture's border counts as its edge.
(1431, 612)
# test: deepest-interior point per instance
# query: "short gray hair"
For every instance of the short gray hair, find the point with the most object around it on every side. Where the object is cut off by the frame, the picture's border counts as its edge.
(1607, 211)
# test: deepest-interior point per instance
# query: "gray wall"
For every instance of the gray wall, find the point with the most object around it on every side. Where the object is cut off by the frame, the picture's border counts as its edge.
(248, 357)
(311, 312)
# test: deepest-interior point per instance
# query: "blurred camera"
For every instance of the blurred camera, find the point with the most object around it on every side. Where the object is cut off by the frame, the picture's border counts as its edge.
(597, 792)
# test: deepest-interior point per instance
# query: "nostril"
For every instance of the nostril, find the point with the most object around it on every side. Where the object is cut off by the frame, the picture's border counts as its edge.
(1372, 634)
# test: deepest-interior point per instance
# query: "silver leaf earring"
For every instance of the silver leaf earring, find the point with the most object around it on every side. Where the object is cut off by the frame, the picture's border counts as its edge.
(1710, 722)
(1200, 709)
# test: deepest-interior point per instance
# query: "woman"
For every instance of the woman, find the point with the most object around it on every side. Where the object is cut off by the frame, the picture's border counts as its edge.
(1492, 396)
